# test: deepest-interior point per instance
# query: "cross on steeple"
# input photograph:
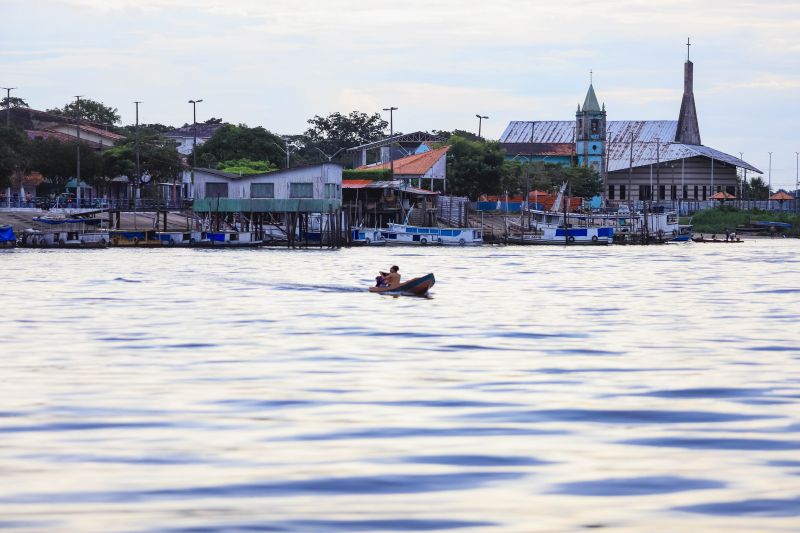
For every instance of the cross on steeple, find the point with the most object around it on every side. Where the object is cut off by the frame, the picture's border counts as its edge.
(688, 47)
(590, 77)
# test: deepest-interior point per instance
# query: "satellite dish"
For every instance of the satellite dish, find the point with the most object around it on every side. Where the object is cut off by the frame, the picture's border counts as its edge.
(145, 177)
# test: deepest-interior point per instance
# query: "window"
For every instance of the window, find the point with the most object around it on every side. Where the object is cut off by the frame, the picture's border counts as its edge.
(262, 190)
(301, 190)
(610, 192)
(216, 190)
(685, 192)
(704, 192)
(622, 192)
(673, 193)
(695, 192)
(595, 125)
(331, 190)
(645, 193)
(662, 192)
(731, 189)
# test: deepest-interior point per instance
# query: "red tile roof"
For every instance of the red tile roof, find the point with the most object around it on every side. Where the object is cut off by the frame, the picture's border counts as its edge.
(413, 165)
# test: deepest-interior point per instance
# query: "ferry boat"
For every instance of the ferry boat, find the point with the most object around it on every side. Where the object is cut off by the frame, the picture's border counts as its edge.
(418, 235)
(58, 232)
(558, 235)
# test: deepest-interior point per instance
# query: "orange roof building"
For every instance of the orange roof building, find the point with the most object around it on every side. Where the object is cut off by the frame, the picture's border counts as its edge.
(431, 164)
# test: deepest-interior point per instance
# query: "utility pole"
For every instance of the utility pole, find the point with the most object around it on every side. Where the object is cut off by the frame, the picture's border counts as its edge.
(630, 177)
(797, 181)
(194, 143)
(740, 184)
(8, 104)
(658, 170)
(769, 184)
(78, 169)
(391, 110)
(480, 118)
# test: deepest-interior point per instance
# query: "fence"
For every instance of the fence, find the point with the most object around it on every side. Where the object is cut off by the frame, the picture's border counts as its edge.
(453, 210)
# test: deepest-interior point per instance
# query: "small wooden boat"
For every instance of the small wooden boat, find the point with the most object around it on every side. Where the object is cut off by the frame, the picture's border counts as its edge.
(417, 286)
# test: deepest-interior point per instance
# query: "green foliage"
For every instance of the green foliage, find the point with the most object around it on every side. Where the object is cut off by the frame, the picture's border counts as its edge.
(475, 168)
(755, 189)
(246, 167)
(89, 110)
(718, 219)
(144, 129)
(374, 175)
(231, 143)
(14, 101)
(14, 154)
(56, 160)
(336, 132)
(468, 135)
(157, 157)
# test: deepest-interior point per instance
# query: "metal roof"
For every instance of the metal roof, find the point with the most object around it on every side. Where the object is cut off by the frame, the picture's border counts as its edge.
(396, 185)
(544, 131)
(653, 141)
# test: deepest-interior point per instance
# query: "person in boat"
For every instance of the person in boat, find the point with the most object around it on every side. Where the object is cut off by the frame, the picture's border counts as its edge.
(389, 279)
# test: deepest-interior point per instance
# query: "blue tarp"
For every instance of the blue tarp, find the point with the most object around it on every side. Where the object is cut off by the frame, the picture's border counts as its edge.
(7, 234)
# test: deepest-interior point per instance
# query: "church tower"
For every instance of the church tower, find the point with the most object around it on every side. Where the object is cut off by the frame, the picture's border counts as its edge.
(590, 133)
(688, 131)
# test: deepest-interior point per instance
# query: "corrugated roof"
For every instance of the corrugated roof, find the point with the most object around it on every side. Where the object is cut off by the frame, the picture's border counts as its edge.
(413, 165)
(396, 185)
(546, 149)
(653, 141)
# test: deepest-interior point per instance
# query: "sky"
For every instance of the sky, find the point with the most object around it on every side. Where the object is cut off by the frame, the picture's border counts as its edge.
(277, 63)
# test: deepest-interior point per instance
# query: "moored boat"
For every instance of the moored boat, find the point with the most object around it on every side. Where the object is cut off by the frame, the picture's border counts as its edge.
(7, 237)
(59, 232)
(367, 237)
(416, 286)
(419, 235)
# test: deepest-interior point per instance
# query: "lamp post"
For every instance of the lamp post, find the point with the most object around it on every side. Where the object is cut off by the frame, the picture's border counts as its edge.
(136, 193)
(78, 150)
(480, 118)
(8, 104)
(797, 181)
(391, 111)
(194, 142)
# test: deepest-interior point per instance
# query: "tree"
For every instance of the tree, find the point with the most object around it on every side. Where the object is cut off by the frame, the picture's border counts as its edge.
(89, 110)
(246, 167)
(14, 101)
(145, 129)
(14, 154)
(337, 132)
(475, 168)
(240, 142)
(755, 189)
(56, 160)
(157, 157)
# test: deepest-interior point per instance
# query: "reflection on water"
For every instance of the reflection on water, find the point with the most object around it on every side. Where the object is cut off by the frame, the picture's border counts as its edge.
(538, 389)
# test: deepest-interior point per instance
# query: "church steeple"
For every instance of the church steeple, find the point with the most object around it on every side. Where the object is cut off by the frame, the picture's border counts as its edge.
(688, 131)
(590, 103)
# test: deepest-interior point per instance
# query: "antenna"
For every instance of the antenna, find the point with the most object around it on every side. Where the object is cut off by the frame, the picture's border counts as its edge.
(688, 48)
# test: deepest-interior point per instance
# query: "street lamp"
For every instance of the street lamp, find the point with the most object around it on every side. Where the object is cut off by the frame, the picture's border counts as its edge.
(391, 110)
(480, 118)
(78, 150)
(8, 103)
(769, 182)
(194, 143)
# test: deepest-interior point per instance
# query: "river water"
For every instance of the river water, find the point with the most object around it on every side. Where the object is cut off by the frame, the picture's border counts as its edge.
(538, 389)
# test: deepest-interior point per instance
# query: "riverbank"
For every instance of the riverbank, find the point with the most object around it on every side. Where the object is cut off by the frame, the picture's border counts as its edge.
(719, 219)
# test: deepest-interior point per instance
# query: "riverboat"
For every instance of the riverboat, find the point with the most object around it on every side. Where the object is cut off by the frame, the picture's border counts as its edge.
(232, 239)
(592, 236)
(418, 235)
(59, 232)
(182, 238)
(684, 234)
(367, 237)
(417, 286)
(138, 238)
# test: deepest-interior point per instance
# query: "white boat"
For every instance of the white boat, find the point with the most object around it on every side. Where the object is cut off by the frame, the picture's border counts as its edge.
(367, 237)
(419, 235)
(558, 235)
(182, 238)
(241, 239)
(57, 232)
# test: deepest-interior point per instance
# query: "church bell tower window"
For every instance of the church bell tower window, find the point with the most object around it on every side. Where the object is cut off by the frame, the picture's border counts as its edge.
(595, 125)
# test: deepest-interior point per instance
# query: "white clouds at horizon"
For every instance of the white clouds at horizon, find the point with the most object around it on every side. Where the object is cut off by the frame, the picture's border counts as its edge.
(276, 63)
